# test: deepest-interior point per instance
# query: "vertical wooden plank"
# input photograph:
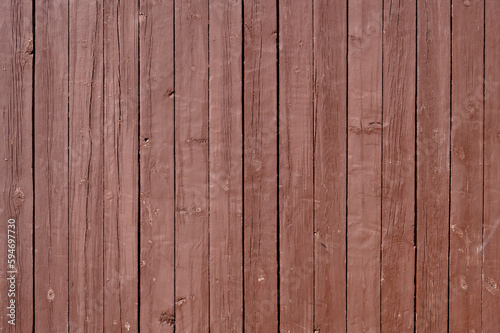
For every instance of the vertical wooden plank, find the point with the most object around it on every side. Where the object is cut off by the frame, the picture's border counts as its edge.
(433, 171)
(157, 313)
(296, 166)
(398, 167)
(364, 165)
(225, 146)
(16, 49)
(51, 166)
(330, 111)
(491, 238)
(191, 144)
(466, 166)
(85, 166)
(121, 165)
(260, 164)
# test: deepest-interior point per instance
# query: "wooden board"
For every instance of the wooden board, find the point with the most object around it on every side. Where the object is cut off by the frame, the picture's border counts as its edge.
(432, 165)
(466, 166)
(398, 167)
(16, 84)
(260, 165)
(296, 239)
(86, 166)
(330, 181)
(364, 165)
(121, 169)
(225, 159)
(51, 166)
(157, 166)
(491, 238)
(192, 307)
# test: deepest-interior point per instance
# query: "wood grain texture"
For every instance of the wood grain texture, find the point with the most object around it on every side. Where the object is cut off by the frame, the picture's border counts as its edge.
(296, 166)
(398, 167)
(466, 166)
(364, 165)
(51, 166)
(121, 165)
(192, 173)
(330, 111)
(260, 165)
(157, 163)
(491, 238)
(85, 166)
(225, 159)
(16, 84)
(433, 170)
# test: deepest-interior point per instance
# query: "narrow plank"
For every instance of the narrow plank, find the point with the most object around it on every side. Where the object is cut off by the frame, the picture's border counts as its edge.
(121, 165)
(192, 306)
(51, 166)
(433, 168)
(225, 159)
(296, 166)
(491, 238)
(85, 166)
(157, 313)
(466, 166)
(16, 52)
(364, 165)
(260, 162)
(398, 167)
(330, 111)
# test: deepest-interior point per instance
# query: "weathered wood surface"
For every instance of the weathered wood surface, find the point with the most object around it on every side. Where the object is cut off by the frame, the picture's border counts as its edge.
(433, 164)
(251, 165)
(330, 145)
(16, 101)
(398, 167)
(364, 165)
(466, 213)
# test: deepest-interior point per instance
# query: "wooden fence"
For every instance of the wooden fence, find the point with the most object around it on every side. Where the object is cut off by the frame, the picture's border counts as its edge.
(250, 165)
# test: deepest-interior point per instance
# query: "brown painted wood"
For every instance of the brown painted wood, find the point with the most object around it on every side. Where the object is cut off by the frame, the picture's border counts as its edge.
(86, 166)
(296, 239)
(364, 165)
(330, 111)
(191, 158)
(225, 159)
(260, 166)
(251, 165)
(157, 163)
(121, 165)
(16, 49)
(398, 167)
(466, 166)
(491, 238)
(51, 166)
(433, 171)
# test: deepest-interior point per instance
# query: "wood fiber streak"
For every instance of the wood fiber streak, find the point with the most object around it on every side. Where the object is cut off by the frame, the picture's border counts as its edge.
(296, 166)
(86, 166)
(121, 165)
(491, 238)
(51, 166)
(330, 111)
(192, 305)
(260, 161)
(364, 165)
(16, 52)
(433, 164)
(466, 167)
(157, 173)
(398, 167)
(225, 146)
